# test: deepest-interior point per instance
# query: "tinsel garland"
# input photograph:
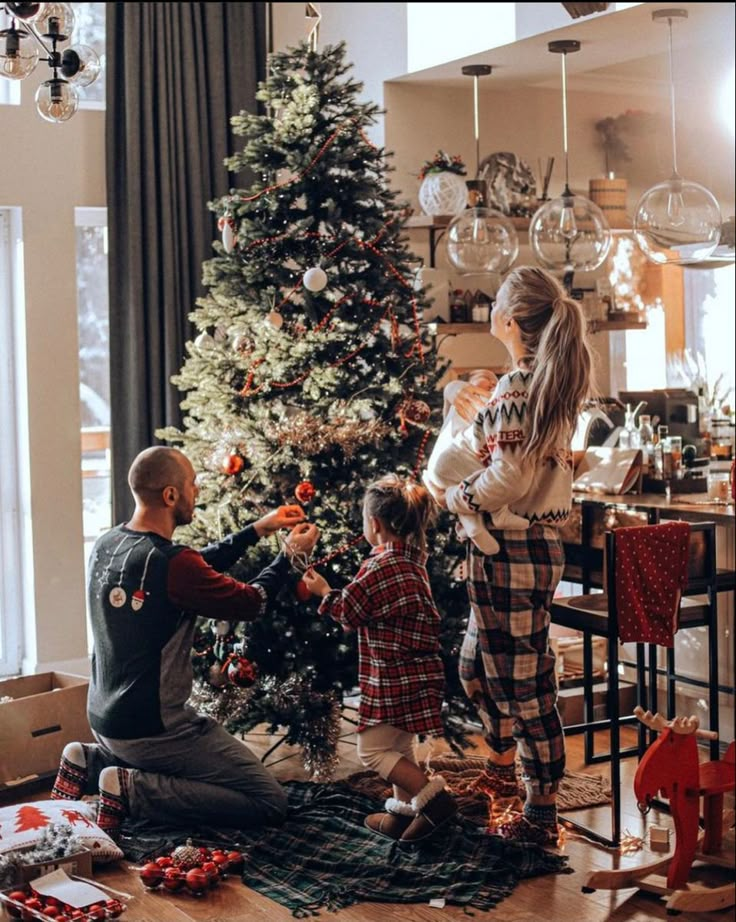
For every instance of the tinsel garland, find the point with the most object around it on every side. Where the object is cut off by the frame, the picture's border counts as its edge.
(57, 841)
(222, 704)
(314, 436)
(317, 735)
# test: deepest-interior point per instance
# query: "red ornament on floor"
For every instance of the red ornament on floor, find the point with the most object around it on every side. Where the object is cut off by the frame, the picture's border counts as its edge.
(173, 879)
(235, 862)
(152, 875)
(197, 881)
(305, 492)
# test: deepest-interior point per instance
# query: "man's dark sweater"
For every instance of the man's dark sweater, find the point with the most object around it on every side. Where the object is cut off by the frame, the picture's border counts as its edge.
(144, 594)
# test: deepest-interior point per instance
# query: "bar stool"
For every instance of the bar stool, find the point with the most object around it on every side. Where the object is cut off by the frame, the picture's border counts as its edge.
(597, 615)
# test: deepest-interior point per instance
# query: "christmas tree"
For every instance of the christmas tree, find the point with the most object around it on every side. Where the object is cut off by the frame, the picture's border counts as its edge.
(310, 377)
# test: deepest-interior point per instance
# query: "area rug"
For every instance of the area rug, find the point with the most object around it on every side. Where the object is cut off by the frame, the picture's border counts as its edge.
(324, 858)
(464, 780)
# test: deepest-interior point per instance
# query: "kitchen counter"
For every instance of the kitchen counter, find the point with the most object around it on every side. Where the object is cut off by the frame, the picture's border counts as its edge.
(689, 507)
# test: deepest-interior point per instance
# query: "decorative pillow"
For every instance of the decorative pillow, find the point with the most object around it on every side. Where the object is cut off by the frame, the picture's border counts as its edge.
(22, 825)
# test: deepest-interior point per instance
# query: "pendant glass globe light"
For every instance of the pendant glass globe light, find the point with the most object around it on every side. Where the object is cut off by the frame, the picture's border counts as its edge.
(676, 221)
(480, 239)
(569, 232)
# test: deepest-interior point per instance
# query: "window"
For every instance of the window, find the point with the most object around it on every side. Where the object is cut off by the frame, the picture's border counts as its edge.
(709, 324)
(94, 370)
(89, 29)
(12, 426)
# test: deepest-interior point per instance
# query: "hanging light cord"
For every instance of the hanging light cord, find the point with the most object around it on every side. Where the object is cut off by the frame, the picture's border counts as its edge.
(675, 174)
(476, 107)
(564, 120)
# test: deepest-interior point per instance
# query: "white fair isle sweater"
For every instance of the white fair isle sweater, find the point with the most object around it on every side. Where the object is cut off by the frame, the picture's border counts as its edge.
(541, 493)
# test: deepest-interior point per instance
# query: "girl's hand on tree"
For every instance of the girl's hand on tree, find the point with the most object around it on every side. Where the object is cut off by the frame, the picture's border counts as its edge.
(283, 517)
(316, 584)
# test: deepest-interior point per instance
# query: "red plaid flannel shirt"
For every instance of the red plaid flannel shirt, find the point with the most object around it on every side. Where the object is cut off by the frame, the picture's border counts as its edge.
(390, 604)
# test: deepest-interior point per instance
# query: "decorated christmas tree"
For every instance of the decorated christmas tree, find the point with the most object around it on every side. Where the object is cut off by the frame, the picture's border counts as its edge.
(310, 377)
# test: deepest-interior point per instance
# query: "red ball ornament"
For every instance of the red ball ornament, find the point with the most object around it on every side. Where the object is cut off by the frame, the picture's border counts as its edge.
(165, 861)
(301, 592)
(241, 672)
(305, 492)
(173, 879)
(114, 908)
(212, 871)
(53, 912)
(20, 897)
(415, 411)
(221, 860)
(152, 875)
(236, 861)
(232, 464)
(96, 912)
(197, 880)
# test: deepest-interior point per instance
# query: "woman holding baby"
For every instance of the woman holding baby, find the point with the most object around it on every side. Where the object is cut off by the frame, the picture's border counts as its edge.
(521, 489)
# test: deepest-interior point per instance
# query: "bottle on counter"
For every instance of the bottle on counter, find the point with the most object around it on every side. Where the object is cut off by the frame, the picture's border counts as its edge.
(662, 466)
(458, 312)
(646, 441)
(629, 435)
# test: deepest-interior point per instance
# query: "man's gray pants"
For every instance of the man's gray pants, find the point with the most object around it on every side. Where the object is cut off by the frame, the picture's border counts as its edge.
(195, 774)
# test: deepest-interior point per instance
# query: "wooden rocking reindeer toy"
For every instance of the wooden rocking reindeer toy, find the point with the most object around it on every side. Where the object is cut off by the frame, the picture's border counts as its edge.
(671, 766)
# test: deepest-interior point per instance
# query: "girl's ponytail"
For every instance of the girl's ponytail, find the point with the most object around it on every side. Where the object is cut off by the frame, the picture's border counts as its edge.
(403, 506)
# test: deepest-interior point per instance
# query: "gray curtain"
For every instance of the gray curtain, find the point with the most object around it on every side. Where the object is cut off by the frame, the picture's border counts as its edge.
(176, 73)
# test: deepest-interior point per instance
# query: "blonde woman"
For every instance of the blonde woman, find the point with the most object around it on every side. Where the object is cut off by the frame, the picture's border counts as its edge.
(523, 436)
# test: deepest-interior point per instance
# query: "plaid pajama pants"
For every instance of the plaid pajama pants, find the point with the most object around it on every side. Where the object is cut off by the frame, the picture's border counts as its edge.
(506, 666)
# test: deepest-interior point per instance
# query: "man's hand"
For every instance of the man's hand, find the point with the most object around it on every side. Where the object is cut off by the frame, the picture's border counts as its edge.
(470, 399)
(301, 540)
(316, 584)
(283, 517)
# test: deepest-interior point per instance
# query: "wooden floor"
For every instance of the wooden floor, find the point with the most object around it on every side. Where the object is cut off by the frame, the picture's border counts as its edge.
(552, 898)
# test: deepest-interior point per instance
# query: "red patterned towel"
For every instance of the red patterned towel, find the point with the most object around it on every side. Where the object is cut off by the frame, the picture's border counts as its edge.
(651, 572)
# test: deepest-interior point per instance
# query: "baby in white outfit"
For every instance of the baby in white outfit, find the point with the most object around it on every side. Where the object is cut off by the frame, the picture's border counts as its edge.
(453, 459)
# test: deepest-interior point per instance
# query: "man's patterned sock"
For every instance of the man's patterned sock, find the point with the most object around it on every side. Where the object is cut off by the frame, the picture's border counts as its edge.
(71, 779)
(114, 805)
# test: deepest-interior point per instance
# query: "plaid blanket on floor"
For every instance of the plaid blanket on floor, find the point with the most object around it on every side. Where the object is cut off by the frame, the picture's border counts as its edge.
(323, 856)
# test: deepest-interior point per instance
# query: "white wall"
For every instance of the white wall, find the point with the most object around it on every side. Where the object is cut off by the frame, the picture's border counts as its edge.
(47, 170)
(435, 37)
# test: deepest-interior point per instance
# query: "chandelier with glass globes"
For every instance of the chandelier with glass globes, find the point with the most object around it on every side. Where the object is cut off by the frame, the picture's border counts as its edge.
(36, 33)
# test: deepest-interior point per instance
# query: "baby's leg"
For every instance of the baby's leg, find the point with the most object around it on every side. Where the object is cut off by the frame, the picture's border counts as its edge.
(474, 527)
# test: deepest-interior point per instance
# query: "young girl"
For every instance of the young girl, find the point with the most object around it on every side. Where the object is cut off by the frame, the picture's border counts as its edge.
(506, 665)
(402, 680)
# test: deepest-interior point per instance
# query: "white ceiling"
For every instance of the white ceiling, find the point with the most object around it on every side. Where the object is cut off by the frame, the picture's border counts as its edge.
(620, 51)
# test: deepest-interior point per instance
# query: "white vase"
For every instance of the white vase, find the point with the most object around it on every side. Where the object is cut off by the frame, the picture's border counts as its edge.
(443, 194)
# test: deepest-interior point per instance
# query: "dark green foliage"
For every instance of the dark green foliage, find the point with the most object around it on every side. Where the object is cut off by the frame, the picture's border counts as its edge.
(317, 398)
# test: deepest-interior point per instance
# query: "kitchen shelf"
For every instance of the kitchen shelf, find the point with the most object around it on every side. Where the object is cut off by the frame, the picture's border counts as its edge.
(620, 323)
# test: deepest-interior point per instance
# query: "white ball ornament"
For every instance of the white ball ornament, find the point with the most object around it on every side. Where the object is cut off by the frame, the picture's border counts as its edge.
(204, 341)
(228, 237)
(315, 279)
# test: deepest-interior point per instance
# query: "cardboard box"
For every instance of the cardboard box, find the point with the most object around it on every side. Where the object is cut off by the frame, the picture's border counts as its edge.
(570, 702)
(79, 863)
(48, 711)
